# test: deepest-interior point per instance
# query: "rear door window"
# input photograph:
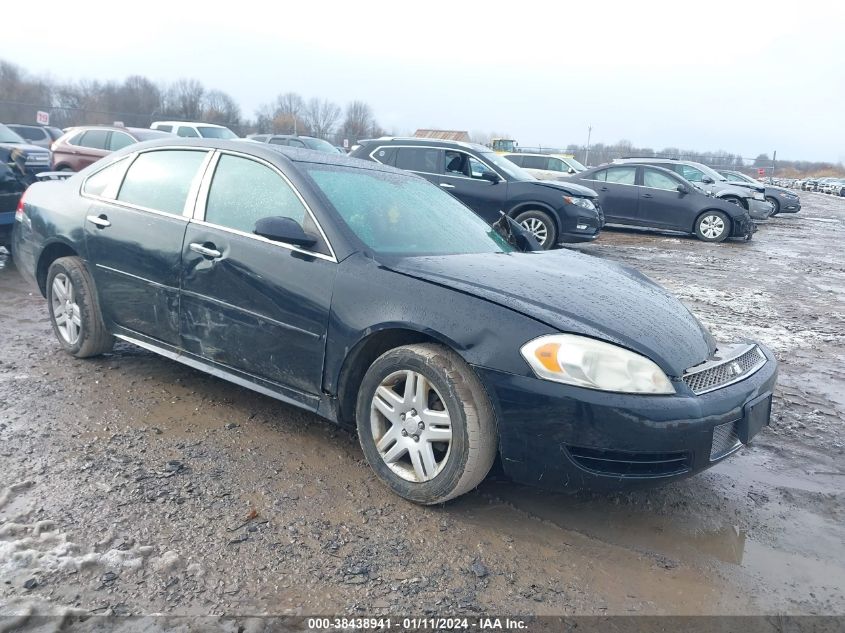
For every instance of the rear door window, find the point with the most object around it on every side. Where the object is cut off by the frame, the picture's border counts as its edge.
(161, 180)
(535, 162)
(424, 159)
(622, 175)
(95, 139)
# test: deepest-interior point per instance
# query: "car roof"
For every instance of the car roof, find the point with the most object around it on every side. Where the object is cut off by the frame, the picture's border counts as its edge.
(117, 128)
(419, 140)
(266, 151)
(194, 123)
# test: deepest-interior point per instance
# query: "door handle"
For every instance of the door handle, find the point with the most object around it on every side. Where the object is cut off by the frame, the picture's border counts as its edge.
(603, 189)
(100, 221)
(205, 251)
(647, 195)
(446, 185)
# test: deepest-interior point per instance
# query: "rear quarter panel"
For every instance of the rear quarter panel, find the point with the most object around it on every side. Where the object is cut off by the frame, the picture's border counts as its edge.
(54, 212)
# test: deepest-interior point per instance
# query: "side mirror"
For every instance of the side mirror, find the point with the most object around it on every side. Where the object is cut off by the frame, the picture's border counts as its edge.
(490, 176)
(282, 229)
(707, 180)
(683, 189)
(571, 170)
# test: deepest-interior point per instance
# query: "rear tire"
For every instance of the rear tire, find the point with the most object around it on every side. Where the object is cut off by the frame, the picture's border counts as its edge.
(712, 226)
(75, 310)
(775, 204)
(425, 423)
(541, 226)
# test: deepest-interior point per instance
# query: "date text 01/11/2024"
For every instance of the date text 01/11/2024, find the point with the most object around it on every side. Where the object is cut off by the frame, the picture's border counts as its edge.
(418, 624)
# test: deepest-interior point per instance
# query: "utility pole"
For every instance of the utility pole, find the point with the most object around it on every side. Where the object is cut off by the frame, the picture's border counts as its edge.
(587, 154)
(774, 158)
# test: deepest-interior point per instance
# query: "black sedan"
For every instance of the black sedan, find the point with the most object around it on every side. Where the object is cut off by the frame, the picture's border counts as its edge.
(651, 196)
(371, 297)
(553, 211)
(782, 200)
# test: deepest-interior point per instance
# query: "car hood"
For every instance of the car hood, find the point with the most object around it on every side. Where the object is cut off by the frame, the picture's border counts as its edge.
(25, 148)
(569, 187)
(576, 293)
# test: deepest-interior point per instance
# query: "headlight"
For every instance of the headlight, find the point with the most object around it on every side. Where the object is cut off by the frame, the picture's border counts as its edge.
(585, 362)
(759, 195)
(581, 202)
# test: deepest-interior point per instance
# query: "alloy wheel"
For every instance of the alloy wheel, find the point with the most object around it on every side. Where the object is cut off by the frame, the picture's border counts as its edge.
(712, 226)
(65, 309)
(411, 426)
(537, 227)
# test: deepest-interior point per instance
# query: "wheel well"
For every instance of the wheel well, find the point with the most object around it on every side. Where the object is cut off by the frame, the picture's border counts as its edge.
(741, 201)
(359, 360)
(48, 256)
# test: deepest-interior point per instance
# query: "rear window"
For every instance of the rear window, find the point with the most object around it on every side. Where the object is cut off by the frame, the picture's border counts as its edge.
(161, 180)
(119, 140)
(105, 182)
(31, 133)
(187, 132)
(165, 128)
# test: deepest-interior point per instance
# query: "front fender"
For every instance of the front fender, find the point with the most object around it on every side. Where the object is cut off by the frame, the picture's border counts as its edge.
(370, 298)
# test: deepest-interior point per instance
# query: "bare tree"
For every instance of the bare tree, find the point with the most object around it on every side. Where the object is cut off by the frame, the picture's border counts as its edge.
(289, 109)
(358, 122)
(184, 99)
(219, 107)
(321, 117)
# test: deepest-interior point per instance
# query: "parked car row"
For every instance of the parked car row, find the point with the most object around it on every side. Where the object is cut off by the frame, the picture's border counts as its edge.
(370, 296)
(489, 184)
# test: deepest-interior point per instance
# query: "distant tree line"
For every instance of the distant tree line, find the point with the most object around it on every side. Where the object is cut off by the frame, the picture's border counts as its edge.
(138, 101)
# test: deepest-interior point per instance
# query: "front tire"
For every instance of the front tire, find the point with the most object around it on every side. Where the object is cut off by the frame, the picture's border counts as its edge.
(712, 226)
(75, 310)
(425, 423)
(541, 226)
(775, 204)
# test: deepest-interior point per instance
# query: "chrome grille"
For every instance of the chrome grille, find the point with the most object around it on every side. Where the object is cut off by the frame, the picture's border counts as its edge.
(726, 367)
(725, 440)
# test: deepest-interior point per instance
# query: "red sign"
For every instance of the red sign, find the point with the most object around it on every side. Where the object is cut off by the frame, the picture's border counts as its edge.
(42, 118)
(761, 171)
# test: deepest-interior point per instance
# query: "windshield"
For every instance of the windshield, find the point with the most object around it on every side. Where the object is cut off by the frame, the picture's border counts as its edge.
(573, 163)
(7, 136)
(503, 164)
(403, 215)
(216, 132)
(320, 145)
(709, 171)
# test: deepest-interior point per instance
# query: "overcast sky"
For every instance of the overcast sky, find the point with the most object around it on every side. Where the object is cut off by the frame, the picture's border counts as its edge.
(746, 77)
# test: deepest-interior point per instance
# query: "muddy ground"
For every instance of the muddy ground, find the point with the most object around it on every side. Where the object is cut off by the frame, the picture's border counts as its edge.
(132, 484)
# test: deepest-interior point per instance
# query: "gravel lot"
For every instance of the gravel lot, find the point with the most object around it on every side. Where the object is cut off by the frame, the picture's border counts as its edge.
(132, 484)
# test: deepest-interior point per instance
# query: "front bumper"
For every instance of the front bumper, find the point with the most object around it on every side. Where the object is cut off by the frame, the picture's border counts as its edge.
(789, 205)
(743, 226)
(759, 209)
(560, 437)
